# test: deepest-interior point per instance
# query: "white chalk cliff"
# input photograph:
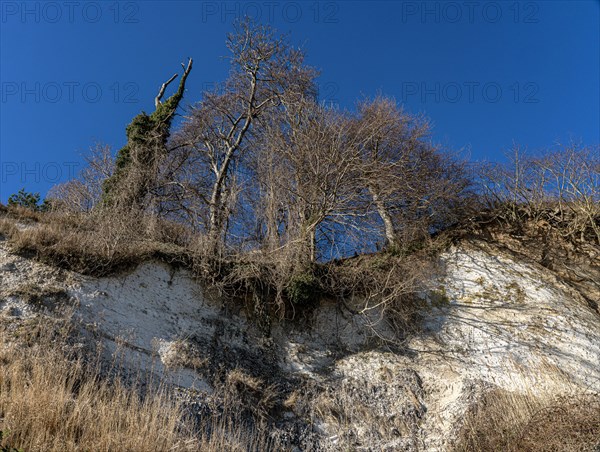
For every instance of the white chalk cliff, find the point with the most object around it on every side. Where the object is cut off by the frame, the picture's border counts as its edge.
(491, 320)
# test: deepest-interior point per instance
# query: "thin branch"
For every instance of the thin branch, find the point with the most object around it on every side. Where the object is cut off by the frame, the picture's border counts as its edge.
(162, 90)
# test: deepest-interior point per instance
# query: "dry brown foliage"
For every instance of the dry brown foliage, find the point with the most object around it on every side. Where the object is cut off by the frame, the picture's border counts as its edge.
(524, 422)
(559, 190)
(50, 402)
(97, 243)
(271, 283)
(54, 396)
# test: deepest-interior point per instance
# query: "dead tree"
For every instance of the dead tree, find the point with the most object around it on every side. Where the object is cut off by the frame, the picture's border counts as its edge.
(137, 162)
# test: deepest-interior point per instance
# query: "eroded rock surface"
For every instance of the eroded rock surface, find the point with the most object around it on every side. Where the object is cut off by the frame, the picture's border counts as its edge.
(490, 320)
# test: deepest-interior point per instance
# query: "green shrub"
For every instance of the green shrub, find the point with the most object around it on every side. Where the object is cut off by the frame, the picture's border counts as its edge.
(303, 288)
(4, 434)
(27, 200)
(439, 297)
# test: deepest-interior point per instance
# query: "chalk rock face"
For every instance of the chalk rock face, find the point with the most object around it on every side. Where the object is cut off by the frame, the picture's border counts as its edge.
(490, 320)
(496, 321)
(505, 318)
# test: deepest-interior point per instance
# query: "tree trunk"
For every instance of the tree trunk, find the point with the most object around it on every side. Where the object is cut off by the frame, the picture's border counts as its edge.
(313, 245)
(216, 222)
(390, 233)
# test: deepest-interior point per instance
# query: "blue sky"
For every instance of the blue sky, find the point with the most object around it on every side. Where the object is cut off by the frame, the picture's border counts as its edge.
(486, 73)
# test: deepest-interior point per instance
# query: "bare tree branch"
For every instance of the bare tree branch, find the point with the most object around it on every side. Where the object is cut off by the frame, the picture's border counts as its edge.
(162, 90)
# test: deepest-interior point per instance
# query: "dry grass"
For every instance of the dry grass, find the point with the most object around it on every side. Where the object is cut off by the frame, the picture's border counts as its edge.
(51, 400)
(98, 243)
(7, 227)
(49, 296)
(511, 422)
(22, 214)
(252, 392)
(51, 403)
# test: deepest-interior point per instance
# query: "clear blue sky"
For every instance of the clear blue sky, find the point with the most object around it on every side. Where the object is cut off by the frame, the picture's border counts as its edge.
(487, 73)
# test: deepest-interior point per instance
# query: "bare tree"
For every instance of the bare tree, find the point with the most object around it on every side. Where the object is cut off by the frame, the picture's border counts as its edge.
(559, 187)
(264, 69)
(575, 174)
(412, 186)
(84, 192)
(309, 179)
